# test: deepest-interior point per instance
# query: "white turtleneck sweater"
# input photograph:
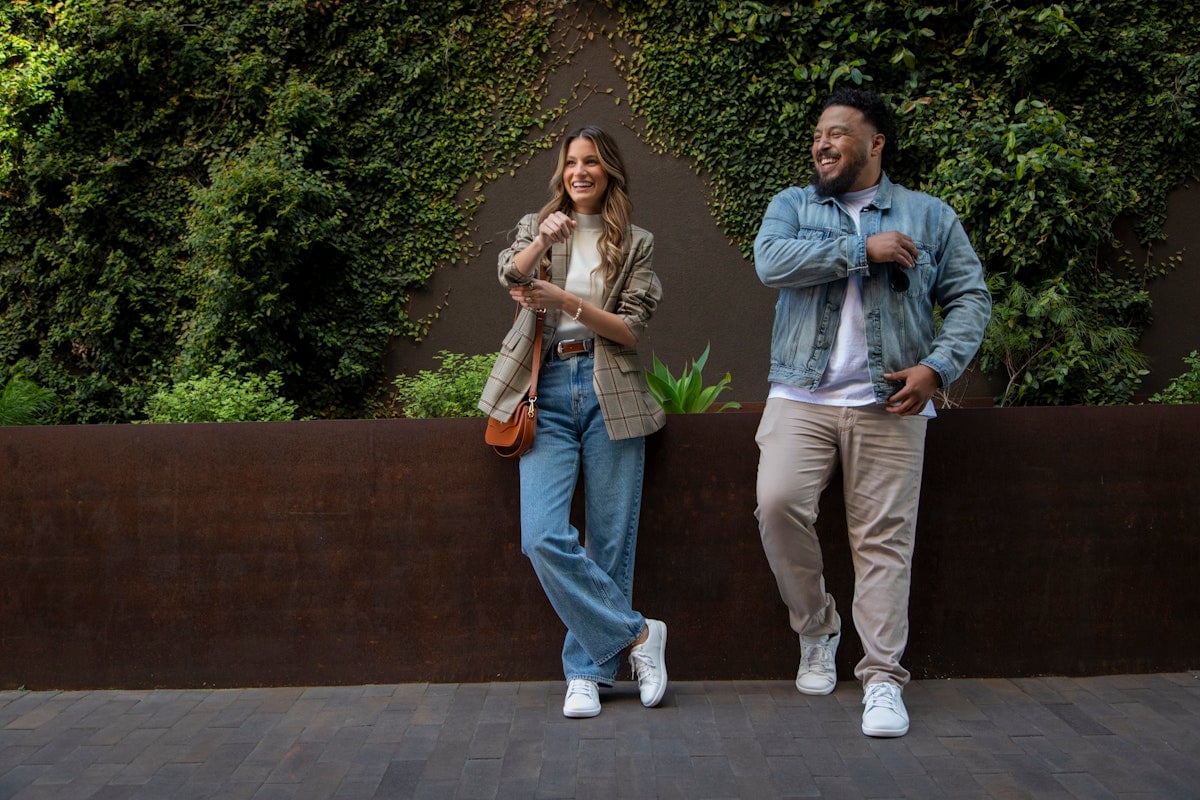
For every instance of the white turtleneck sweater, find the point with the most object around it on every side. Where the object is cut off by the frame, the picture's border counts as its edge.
(582, 280)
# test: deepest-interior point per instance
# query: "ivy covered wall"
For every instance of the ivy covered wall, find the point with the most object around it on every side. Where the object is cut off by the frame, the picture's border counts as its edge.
(189, 184)
(1040, 123)
(198, 184)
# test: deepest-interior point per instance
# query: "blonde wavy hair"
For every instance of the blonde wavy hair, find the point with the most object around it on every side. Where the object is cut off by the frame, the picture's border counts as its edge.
(617, 209)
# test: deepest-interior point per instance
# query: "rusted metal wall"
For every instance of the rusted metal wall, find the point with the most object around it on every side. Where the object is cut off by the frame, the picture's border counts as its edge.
(1051, 541)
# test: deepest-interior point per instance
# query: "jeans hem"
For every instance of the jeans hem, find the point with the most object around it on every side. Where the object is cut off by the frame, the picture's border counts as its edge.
(625, 646)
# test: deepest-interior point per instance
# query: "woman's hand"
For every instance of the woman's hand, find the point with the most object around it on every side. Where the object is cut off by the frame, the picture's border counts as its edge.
(540, 295)
(556, 228)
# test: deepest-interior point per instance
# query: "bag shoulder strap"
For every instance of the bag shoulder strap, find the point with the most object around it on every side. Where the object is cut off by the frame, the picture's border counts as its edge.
(537, 350)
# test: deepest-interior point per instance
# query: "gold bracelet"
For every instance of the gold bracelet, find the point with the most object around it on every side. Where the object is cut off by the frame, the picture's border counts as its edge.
(578, 312)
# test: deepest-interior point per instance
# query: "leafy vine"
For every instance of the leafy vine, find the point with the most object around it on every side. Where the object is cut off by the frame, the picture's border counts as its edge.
(1040, 124)
(198, 185)
(250, 187)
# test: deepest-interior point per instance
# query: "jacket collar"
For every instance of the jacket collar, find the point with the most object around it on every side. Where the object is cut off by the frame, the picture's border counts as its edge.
(883, 198)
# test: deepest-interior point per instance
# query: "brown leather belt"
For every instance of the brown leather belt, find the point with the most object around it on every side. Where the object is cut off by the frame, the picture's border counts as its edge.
(568, 348)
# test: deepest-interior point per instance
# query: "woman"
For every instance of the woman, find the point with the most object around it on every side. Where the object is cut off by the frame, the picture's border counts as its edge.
(594, 412)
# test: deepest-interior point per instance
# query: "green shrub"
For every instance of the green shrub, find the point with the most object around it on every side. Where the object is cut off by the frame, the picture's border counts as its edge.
(451, 390)
(686, 394)
(1183, 388)
(222, 397)
(23, 402)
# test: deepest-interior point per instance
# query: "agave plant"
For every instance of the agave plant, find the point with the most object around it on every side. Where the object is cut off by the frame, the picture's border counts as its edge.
(686, 394)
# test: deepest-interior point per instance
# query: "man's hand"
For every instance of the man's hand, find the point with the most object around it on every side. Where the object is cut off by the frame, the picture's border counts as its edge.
(892, 246)
(920, 382)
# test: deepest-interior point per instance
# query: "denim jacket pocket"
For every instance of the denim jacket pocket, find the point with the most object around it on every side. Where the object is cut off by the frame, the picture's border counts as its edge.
(918, 279)
(816, 233)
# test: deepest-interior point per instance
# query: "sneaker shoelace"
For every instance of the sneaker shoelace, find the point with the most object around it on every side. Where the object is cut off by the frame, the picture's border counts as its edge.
(816, 657)
(643, 665)
(881, 694)
(579, 687)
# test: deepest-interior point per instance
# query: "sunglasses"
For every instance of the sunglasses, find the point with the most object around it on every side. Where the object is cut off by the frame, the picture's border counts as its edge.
(897, 277)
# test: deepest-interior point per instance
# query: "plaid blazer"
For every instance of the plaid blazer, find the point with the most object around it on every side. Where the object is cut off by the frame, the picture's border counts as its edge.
(628, 407)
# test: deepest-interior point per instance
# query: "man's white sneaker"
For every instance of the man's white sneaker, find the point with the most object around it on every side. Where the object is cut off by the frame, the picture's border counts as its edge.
(582, 700)
(818, 670)
(885, 715)
(648, 660)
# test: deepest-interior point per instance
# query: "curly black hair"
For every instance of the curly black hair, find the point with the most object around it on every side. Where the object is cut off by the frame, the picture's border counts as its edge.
(872, 106)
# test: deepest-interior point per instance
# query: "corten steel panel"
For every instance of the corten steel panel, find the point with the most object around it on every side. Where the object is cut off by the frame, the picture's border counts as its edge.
(1051, 541)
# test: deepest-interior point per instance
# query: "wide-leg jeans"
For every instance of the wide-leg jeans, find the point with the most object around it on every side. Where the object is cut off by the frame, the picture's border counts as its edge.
(590, 585)
(881, 456)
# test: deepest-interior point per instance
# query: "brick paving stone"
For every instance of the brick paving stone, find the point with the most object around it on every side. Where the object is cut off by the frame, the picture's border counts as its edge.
(1130, 737)
(714, 777)
(791, 777)
(597, 788)
(490, 740)
(705, 740)
(517, 788)
(835, 788)
(21, 776)
(1079, 719)
(746, 757)
(1084, 786)
(596, 758)
(480, 779)
(633, 743)
(895, 757)
(400, 779)
(557, 779)
(672, 758)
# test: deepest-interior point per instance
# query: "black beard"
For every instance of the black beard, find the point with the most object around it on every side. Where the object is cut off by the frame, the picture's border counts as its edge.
(833, 187)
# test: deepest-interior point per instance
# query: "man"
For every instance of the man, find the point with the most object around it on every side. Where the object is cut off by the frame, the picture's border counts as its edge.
(856, 356)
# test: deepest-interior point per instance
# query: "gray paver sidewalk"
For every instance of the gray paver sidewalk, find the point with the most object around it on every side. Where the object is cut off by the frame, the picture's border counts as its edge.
(1130, 736)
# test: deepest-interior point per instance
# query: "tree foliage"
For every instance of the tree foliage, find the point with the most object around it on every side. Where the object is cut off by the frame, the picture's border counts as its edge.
(1041, 124)
(199, 185)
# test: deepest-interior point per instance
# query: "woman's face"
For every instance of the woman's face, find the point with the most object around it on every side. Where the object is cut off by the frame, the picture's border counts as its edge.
(584, 178)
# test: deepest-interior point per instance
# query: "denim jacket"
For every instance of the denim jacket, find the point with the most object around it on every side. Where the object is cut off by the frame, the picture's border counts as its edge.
(807, 247)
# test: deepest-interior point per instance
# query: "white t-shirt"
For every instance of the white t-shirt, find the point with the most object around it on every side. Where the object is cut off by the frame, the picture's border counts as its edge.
(847, 378)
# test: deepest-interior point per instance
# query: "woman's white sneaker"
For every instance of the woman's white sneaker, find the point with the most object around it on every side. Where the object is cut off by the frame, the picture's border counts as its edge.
(885, 715)
(649, 663)
(582, 700)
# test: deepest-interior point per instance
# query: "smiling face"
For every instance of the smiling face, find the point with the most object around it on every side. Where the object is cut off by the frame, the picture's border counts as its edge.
(584, 177)
(847, 152)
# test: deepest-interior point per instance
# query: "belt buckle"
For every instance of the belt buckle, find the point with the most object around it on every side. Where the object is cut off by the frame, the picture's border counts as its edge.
(571, 347)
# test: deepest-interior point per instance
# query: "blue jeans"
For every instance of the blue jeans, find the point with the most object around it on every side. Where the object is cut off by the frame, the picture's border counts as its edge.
(591, 588)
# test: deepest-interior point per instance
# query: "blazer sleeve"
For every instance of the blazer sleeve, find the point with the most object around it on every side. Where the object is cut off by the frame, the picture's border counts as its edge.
(641, 292)
(525, 234)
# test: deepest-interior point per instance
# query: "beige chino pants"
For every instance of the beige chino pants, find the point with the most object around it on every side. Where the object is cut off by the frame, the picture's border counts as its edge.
(881, 456)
